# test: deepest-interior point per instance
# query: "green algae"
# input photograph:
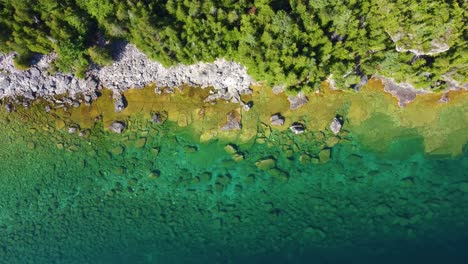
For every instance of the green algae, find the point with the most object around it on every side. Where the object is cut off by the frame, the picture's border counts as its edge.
(158, 193)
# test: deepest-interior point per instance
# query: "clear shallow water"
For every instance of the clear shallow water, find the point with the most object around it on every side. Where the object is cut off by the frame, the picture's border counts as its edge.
(156, 195)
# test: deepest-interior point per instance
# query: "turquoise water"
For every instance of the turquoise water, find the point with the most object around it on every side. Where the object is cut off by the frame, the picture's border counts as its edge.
(156, 195)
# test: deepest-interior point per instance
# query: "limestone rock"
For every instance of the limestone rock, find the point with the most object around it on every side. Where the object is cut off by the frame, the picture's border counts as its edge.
(444, 98)
(297, 128)
(73, 129)
(9, 107)
(117, 127)
(131, 69)
(404, 92)
(297, 101)
(233, 122)
(278, 89)
(336, 125)
(119, 102)
(277, 120)
(117, 150)
(159, 117)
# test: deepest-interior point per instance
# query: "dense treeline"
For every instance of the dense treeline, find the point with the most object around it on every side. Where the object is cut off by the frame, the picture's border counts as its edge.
(297, 42)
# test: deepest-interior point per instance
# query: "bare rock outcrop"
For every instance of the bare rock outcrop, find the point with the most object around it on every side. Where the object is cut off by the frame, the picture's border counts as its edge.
(404, 92)
(131, 69)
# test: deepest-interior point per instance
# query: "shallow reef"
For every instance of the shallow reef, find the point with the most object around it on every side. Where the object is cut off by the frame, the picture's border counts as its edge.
(390, 187)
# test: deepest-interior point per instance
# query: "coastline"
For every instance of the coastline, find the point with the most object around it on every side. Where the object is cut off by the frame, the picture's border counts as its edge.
(234, 105)
(182, 168)
(132, 69)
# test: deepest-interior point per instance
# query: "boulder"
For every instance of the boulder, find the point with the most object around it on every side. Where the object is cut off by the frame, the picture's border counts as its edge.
(9, 107)
(277, 120)
(324, 155)
(72, 129)
(119, 103)
(297, 128)
(230, 149)
(159, 117)
(336, 125)
(297, 101)
(117, 127)
(266, 164)
(233, 122)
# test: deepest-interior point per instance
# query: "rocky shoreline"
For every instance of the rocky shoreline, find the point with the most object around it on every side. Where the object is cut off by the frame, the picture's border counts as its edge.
(133, 69)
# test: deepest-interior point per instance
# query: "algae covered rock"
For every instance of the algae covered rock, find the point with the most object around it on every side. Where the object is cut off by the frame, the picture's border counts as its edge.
(159, 117)
(140, 143)
(155, 151)
(266, 163)
(238, 157)
(233, 121)
(332, 141)
(278, 174)
(230, 149)
(154, 174)
(324, 155)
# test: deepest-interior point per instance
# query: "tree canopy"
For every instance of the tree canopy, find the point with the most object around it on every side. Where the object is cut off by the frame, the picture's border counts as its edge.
(296, 43)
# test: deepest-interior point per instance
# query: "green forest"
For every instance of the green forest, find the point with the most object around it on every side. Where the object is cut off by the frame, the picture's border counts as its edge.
(297, 43)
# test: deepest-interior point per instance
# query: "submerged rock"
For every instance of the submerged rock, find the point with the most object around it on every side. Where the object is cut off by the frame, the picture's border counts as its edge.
(277, 120)
(159, 117)
(233, 122)
(9, 107)
(324, 155)
(230, 149)
(336, 125)
(444, 98)
(297, 101)
(297, 128)
(119, 103)
(72, 129)
(117, 127)
(266, 164)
